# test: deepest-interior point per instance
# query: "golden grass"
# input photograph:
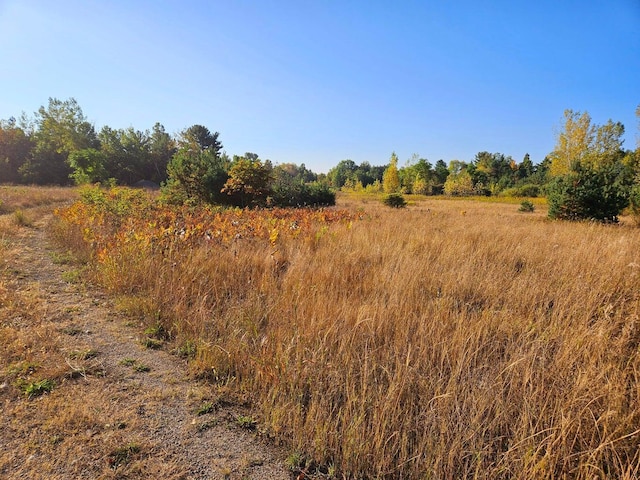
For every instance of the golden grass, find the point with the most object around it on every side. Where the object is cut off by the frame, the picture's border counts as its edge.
(453, 339)
(14, 198)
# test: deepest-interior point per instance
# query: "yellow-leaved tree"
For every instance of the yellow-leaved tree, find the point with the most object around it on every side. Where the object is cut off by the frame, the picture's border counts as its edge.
(390, 177)
(581, 142)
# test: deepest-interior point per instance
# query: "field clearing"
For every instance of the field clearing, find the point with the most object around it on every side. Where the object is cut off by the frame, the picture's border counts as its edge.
(452, 339)
(14, 198)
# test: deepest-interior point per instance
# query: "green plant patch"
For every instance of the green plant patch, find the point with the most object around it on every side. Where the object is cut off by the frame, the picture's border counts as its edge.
(526, 206)
(152, 343)
(187, 350)
(141, 367)
(83, 354)
(205, 408)
(128, 362)
(246, 422)
(35, 389)
(123, 455)
(395, 200)
(72, 276)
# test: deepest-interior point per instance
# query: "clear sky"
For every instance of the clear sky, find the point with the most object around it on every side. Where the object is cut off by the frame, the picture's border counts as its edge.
(320, 81)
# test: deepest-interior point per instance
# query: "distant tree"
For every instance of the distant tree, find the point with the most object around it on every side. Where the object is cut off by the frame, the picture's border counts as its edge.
(199, 138)
(128, 154)
(161, 148)
(459, 184)
(526, 168)
(390, 178)
(15, 149)
(60, 129)
(459, 181)
(492, 172)
(249, 181)
(590, 193)
(583, 142)
(197, 172)
(441, 172)
(342, 172)
(88, 166)
(417, 176)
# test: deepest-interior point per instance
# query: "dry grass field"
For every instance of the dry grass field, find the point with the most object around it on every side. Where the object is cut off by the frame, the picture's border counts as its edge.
(83, 393)
(452, 339)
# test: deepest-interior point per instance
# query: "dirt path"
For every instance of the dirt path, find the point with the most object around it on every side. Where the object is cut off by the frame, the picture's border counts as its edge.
(118, 409)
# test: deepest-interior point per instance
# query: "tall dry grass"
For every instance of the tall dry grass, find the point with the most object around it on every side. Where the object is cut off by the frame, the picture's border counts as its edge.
(14, 198)
(449, 340)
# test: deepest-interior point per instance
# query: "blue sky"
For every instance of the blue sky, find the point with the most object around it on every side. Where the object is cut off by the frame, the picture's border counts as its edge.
(317, 82)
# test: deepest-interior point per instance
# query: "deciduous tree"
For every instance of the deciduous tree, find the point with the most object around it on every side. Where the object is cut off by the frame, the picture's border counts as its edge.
(390, 178)
(249, 180)
(15, 149)
(60, 129)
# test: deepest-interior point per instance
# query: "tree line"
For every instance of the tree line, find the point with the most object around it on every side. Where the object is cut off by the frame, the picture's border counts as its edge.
(588, 174)
(59, 146)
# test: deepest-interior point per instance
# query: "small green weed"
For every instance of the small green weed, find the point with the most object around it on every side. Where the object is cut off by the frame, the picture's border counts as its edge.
(35, 389)
(295, 461)
(83, 354)
(21, 219)
(205, 408)
(128, 362)
(246, 422)
(133, 363)
(156, 330)
(151, 343)
(71, 331)
(187, 350)
(72, 276)
(22, 368)
(62, 258)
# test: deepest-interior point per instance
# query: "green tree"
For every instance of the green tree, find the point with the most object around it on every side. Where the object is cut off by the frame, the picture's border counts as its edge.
(459, 184)
(88, 166)
(128, 154)
(200, 138)
(441, 172)
(390, 178)
(634, 196)
(15, 150)
(60, 129)
(197, 172)
(590, 193)
(249, 181)
(492, 172)
(161, 148)
(342, 172)
(417, 176)
(526, 168)
(295, 186)
(593, 176)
